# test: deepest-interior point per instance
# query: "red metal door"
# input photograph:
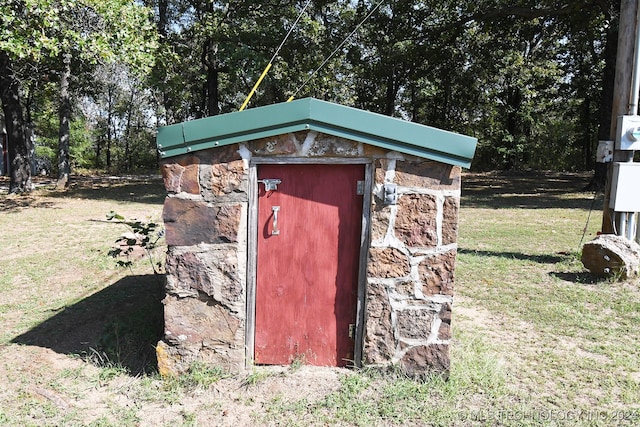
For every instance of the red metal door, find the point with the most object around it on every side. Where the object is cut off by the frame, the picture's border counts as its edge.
(307, 270)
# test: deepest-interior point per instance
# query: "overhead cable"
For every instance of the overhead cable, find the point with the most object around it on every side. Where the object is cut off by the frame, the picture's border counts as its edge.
(268, 67)
(335, 51)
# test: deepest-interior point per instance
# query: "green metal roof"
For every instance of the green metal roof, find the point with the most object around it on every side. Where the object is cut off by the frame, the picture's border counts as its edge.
(321, 116)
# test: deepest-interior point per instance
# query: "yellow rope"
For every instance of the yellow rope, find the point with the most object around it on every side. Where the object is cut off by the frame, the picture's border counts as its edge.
(264, 73)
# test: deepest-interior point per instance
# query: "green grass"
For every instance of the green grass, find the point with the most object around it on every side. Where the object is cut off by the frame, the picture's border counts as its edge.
(258, 376)
(537, 339)
(198, 376)
(571, 338)
(373, 397)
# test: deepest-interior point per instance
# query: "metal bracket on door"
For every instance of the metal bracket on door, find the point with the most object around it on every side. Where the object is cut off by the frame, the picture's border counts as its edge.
(270, 184)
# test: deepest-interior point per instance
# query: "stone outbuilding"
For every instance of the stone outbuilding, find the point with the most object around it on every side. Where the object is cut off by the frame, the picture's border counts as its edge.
(312, 232)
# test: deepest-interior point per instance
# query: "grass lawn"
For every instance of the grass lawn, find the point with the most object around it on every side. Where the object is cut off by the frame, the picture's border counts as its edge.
(537, 339)
(567, 342)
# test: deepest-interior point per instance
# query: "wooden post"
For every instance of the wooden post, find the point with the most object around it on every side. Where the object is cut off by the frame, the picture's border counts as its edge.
(621, 93)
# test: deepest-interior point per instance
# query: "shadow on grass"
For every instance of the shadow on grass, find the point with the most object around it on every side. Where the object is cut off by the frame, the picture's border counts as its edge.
(539, 258)
(119, 325)
(139, 189)
(531, 190)
(583, 277)
(19, 203)
(580, 277)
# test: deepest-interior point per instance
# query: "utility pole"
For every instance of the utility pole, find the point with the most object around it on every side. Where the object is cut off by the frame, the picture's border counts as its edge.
(615, 251)
(623, 101)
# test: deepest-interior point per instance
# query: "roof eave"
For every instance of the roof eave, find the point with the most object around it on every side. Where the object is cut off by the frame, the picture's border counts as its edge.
(311, 114)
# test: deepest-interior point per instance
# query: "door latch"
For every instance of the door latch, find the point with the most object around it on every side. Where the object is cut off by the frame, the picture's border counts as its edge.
(352, 330)
(270, 184)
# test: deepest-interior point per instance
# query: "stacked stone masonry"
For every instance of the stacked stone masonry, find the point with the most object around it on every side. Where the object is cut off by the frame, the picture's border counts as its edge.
(410, 267)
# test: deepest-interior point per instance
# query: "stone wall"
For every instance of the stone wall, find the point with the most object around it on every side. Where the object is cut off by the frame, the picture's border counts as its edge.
(205, 220)
(410, 267)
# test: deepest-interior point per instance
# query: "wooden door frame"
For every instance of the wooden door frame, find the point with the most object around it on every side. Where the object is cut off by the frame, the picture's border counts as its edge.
(252, 245)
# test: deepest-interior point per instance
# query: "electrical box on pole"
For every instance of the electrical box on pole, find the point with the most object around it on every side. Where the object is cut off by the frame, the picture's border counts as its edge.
(628, 133)
(604, 152)
(624, 187)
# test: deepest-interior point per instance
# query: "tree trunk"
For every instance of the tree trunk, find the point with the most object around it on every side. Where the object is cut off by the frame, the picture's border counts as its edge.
(513, 125)
(98, 163)
(163, 31)
(17, 141)
(127, 133)
(391, 93)
(64, 166)
(108, 150)
(210, 90)
(163, 7)
(110, 107)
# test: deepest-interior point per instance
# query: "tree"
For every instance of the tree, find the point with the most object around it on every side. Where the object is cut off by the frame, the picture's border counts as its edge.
(15, 125)
(69, 35)
(211, 53)
(18, 44)
(499, 70)
(524, 76)
(121, 113)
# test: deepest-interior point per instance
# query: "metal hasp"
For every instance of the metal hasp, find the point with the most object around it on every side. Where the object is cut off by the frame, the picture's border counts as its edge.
(390, 194)
(270, 184)
(276, 230)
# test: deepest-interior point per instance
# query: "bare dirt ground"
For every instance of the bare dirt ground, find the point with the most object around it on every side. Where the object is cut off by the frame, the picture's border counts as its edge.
(45, 384)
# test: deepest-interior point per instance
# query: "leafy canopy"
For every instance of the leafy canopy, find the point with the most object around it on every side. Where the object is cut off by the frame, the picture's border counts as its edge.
(92, 30)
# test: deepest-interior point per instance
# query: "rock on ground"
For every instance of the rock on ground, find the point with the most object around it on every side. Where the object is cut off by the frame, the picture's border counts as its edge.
(610, 254)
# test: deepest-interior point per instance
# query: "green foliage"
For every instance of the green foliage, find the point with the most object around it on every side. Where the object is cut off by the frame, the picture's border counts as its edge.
(143, 235)
(37, 35)
(259, 375)
(371, 396)
(97, 31)
(527, 81)
(504, 77)
(47, 124)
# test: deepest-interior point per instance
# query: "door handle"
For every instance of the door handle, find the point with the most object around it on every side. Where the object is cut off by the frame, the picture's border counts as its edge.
(276, 230)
